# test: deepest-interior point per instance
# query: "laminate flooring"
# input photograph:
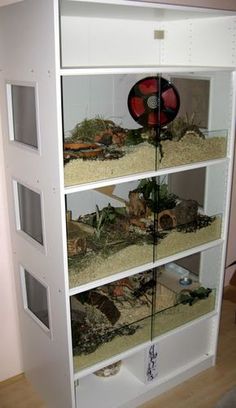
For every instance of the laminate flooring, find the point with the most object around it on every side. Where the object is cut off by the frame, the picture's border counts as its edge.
(201, 391)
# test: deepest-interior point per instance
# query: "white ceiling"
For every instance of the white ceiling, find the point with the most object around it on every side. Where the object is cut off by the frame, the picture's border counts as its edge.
(4, 2)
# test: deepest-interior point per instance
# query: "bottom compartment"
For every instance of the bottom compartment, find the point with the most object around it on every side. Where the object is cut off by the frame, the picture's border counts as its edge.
(176, 358)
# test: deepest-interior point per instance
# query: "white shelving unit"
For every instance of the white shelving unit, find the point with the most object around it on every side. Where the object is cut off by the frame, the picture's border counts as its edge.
(64, 61)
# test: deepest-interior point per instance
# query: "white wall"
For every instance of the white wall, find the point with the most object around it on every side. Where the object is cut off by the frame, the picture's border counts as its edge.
(10, 349)
(5, 2)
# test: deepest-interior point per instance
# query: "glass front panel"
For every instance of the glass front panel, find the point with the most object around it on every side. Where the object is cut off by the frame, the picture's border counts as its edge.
(180, 296)
(36, 298)
(120, 227)
(24, 115)
(109, 230)
(30, 212)
(179, 314)
(182, 218)
(192, 147)
(117, 125)
(111, 319)
(102, 137)
(191, 136)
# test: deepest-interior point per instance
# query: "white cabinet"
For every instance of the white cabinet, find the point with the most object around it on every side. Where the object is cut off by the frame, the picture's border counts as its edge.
(116, 193)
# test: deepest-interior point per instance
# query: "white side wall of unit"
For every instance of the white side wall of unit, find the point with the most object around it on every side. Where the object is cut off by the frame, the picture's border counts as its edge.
(218, 178)
(215, 189)
(220, 114)
(211, 267)
(29, 58)
(200, 40)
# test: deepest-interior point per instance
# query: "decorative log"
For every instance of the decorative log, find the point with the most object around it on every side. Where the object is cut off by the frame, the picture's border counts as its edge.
(83, 150)
(166, 219)
(184, 213)
(136, 205)
(80, 146)
(105, 305)
(76, 246)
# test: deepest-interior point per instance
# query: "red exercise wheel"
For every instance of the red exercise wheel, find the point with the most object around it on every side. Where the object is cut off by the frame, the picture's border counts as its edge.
(153, 101)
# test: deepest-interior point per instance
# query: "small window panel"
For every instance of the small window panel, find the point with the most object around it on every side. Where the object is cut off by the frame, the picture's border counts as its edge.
(36, 299)
(23, 114)
(29, 212)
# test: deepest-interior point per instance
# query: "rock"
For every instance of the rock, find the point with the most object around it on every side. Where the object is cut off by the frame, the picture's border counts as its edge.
(78, 312)
(109, 370)
(186, 212)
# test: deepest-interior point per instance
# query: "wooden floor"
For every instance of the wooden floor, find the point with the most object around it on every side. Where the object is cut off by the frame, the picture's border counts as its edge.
(202, 391)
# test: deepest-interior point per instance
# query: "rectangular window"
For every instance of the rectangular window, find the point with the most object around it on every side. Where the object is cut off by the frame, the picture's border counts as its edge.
(30, 215)
(22, 114)
(36, 298)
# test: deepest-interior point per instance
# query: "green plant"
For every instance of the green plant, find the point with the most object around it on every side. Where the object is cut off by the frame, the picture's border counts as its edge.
(134, 137)
(103, 217)
(192, 296)
(156, 195)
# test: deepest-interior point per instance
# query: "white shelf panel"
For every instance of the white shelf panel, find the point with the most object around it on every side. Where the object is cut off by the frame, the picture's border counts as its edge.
(109, 279)
(157, 69)
(108, 182)
(188, 252)
(139, 269)
(139, 176)
(137, 10)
